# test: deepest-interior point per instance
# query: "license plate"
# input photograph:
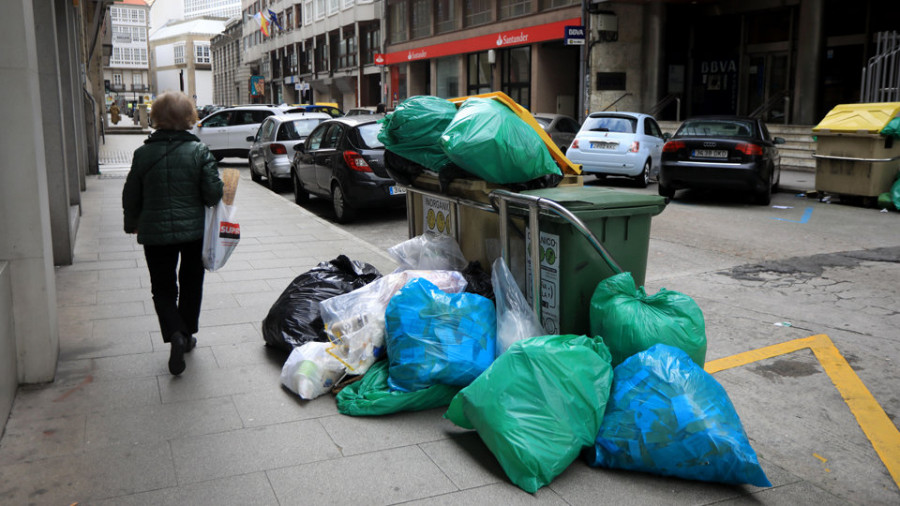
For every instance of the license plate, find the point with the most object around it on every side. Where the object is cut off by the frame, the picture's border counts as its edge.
(710, 153)
(604, 145)
(397, 190)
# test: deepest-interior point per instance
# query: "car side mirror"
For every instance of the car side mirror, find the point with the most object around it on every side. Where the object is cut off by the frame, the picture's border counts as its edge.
(299, 148)
(779, 140)
(251, 138)
(667, 136)
(199, 125)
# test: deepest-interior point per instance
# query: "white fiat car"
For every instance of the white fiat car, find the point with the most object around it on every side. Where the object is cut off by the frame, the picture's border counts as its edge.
(619, 144)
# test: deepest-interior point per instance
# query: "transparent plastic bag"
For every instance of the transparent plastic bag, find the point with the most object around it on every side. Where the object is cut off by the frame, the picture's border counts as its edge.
(429, 251)
(355, 321)
(310, 370)
(515, 317)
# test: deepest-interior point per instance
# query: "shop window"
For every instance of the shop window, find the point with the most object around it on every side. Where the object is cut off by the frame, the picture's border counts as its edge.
(421, 18)
(515, 74)
(478, 12)
(514, 8)
(478, 78)
(445, 16)
(447, 76)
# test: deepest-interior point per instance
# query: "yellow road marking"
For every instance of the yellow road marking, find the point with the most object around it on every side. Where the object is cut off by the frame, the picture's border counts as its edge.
(872, 419)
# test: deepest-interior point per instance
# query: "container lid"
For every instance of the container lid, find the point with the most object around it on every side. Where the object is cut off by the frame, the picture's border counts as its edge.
(858, 118)
(588, 197)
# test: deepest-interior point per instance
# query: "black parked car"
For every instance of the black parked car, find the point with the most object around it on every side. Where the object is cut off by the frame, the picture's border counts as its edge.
(343, 160)
(722, 152)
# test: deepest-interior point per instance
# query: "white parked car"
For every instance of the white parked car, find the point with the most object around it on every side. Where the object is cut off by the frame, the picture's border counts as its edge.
(225, 132)
(272, 148)
(619, 144)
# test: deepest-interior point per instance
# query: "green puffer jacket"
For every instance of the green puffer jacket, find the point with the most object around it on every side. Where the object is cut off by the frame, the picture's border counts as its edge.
(173, 178)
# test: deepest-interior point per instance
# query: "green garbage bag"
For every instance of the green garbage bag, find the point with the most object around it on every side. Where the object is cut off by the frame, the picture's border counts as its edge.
(371, 396)
(488, 140)
(538, 405)
(895, 194)
(414, 128)
(630, 321)
(892, 128)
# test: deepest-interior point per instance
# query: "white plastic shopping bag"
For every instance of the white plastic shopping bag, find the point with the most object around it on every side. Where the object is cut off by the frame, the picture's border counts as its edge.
(221, 235)
(310, 370)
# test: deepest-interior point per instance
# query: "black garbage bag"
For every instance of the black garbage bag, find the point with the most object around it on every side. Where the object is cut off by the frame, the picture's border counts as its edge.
(478, 280)
(294, 319)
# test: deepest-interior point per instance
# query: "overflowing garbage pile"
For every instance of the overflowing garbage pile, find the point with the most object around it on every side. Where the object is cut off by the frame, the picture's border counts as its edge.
(632, 395)
(482, 139)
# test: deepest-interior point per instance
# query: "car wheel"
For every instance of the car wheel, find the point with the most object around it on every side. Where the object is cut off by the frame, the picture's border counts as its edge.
(273, 185)
(643, 179)
(666, 191)
(217, 156)
(777, 183)
(254, 176)
(343, 213)
(764, 197)
(301, 196)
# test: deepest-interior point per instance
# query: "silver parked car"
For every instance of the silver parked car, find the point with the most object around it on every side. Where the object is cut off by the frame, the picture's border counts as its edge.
(225, 132)
(272, 148)
(559, 127)
(619, 144)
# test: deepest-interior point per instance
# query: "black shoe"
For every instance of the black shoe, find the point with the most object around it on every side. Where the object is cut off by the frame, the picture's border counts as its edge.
(191, 344)
(176, 355)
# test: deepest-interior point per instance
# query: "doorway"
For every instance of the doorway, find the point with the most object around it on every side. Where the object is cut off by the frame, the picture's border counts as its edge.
(768, 82)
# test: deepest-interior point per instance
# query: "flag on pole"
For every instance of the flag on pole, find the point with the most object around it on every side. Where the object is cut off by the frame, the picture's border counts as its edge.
(263, 23)
(274, 19)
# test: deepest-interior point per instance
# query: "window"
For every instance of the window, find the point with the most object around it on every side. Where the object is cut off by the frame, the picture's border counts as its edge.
(307, 12)
(445, 16)
(265, 131)
(552, 4)
(179, 53)
(348, 4)
(315, 139)
(217, 120)
(333, 137)
(320, 9)
(347, 56)
(201, 53)
(516, 75)
(370, 35)
(137, 79)
(479, 74)
(447, 74)
(333, 6)
(478, 12)
(397, 22)
(421, 18)
(117, 79)
(514, 8)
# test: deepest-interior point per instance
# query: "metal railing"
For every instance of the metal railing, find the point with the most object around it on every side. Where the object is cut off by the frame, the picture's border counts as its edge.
(662, 104)
(616, 101)
(763, 109)
(881, 76)
(500, 200)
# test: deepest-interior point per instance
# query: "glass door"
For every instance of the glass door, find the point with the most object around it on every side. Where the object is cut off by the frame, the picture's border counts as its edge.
(767, 84)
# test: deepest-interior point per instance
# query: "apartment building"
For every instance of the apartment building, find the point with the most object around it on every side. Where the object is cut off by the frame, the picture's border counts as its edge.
(126, 77)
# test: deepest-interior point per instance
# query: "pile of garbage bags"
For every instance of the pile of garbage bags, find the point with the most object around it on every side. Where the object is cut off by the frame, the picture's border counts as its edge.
(483, 138)
(632, 395)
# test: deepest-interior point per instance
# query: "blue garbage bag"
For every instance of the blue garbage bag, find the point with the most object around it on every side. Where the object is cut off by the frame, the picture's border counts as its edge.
(434, 337)
(668, 416)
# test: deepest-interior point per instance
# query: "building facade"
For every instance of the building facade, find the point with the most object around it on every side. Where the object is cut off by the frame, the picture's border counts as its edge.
(181, 59)
(324, 51)
(127, 76)
(230, 76)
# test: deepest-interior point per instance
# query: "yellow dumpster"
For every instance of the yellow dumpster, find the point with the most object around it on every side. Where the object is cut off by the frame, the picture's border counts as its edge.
(852, 157)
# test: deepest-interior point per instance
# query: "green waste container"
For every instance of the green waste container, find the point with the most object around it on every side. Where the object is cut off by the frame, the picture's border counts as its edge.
(570, 266)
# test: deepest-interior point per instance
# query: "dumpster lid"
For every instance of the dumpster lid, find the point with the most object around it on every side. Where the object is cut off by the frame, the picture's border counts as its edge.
(587, 197)
(858, 118)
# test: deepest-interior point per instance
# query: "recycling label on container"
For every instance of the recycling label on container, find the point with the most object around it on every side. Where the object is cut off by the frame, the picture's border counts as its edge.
(437, 216)
(549, 279)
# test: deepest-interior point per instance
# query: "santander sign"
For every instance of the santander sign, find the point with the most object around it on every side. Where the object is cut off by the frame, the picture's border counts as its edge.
(527, 35)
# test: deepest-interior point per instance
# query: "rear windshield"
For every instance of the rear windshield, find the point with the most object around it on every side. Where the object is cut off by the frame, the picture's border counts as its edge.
(544, 122)
(368, 135)
(619, 124)
(715, 128)
(297, 129)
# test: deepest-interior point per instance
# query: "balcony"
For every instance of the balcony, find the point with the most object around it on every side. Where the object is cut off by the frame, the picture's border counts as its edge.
(140, 87)
(117, 87)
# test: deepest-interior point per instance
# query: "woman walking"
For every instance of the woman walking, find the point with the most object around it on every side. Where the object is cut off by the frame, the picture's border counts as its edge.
(173, 178)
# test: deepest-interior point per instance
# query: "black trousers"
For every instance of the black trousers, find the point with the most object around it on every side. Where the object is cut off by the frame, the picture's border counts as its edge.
(177, 312)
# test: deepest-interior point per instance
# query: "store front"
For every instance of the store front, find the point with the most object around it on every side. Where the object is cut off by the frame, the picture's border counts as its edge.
(502, 61)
